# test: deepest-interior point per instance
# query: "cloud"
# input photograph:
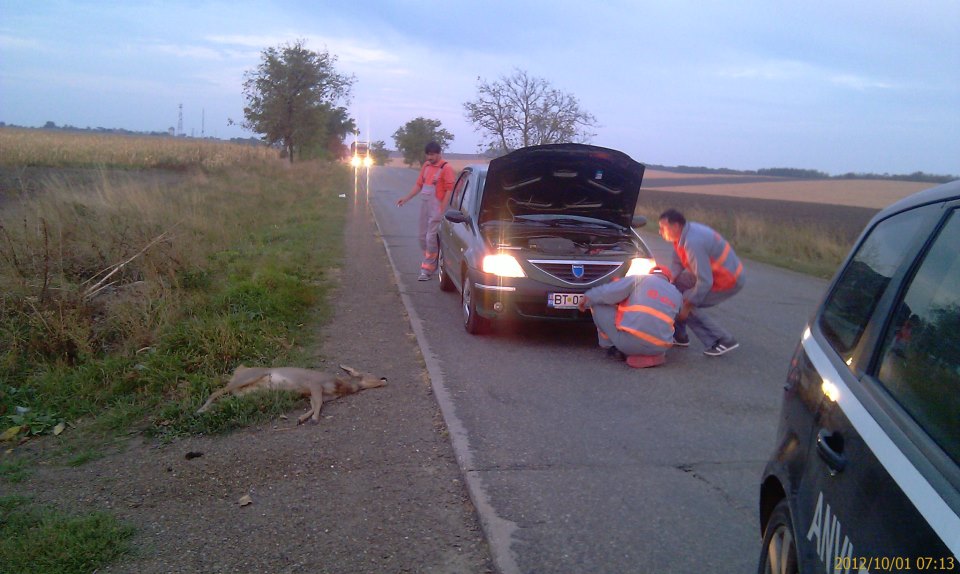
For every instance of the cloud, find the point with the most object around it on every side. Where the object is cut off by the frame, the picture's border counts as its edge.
(772, 70)
(252, 41)
(8, 42)
(796, 71)
(192, 52)
(347, 50)
(860, 83)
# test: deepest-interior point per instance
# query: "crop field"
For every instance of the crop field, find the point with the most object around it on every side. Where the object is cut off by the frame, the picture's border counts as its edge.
(868, 193)
(54, 148)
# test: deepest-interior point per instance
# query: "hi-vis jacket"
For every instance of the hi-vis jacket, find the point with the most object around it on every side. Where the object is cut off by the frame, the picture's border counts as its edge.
(709, 257)
(646, 307)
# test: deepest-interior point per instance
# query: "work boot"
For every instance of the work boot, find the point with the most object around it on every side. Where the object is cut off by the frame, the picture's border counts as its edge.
(616, 354)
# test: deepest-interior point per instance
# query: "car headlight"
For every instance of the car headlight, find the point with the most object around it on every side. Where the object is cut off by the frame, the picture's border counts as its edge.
(367, 161)
(355, 161)
(502, 265)
(641, 266)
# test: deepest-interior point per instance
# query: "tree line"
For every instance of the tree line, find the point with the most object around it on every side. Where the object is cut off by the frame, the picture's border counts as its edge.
(797, 173)
(296, 99)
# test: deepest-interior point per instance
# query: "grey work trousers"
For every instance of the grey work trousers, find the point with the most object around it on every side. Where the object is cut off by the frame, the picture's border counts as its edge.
(705, 327)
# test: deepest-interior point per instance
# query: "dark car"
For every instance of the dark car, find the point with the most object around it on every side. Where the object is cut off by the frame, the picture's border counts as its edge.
(865, 474)
(527, 235)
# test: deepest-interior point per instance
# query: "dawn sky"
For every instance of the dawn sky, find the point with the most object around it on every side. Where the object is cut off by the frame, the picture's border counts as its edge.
(842, 86)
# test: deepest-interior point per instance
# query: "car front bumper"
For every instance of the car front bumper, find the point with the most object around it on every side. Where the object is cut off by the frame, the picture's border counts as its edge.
(520, 298)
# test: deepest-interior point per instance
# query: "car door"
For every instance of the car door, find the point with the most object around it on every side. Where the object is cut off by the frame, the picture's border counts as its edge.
(451, 239)
(880, 487)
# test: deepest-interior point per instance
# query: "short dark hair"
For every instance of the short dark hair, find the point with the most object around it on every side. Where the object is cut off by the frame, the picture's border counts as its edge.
(673, 216)
(431, 147)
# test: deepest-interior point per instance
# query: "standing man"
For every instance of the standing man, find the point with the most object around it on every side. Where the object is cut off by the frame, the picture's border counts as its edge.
(433, 184)
(634, 317)
(707, 271)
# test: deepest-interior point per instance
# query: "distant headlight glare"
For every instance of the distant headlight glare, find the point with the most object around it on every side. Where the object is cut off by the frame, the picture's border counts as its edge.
(355, 161)
(502, 265)
(367, 161)
(641, 266)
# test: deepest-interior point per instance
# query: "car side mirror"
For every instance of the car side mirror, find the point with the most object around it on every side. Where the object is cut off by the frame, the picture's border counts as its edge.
(454, 216)
(638, 221)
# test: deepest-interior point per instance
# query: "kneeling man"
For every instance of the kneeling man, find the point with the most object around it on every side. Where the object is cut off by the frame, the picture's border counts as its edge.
(634, 317)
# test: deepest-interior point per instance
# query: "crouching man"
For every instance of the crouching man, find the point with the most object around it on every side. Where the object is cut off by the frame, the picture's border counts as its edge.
(634, 317)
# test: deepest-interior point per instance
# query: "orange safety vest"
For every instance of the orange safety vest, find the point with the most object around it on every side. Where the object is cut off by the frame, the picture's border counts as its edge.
(726, 270)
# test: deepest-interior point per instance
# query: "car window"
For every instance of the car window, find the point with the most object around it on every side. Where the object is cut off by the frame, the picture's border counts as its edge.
(470, 196)
(457, 194)
(920, 361)
(861, 284)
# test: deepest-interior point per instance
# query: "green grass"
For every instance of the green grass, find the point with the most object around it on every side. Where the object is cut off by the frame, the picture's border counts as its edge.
(241, 281)
(38, 540)
(230, 267)
(14, 471)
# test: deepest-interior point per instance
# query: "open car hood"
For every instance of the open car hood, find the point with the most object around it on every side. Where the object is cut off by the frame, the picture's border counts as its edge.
(562, 180)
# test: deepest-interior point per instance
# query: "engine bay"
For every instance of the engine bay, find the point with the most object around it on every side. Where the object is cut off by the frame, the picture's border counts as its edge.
(565, 244)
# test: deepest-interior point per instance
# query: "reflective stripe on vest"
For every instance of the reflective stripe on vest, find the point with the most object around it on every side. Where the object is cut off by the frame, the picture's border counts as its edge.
(624, 309)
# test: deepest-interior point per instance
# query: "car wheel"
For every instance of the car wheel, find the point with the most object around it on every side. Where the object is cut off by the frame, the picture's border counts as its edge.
(472, 322)
(446, 284)
(779, 552)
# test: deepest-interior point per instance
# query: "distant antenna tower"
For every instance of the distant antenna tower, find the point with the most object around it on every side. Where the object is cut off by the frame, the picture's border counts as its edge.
(180, 122)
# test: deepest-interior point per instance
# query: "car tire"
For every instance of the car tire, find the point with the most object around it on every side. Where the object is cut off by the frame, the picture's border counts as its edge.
(446, 284)
(472, 321)
(779, 552)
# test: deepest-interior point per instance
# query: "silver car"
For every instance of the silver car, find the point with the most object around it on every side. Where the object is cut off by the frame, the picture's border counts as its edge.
(526, 236)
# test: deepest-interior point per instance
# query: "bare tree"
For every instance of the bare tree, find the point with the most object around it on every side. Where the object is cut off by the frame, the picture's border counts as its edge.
(522, 110)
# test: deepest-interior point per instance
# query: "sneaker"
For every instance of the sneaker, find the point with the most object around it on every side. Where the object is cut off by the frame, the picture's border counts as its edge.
(423, 277)
(681, 340)
(721, 348)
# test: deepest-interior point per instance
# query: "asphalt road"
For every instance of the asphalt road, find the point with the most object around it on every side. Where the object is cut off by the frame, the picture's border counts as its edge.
(578, 463)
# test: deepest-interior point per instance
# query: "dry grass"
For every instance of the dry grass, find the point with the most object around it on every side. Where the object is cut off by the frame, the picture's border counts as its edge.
(23, 147)
(101, 269)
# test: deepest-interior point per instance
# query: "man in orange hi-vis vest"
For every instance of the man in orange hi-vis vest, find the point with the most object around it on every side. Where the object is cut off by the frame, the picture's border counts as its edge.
(434, 182)
(706, 270)
(634, 317)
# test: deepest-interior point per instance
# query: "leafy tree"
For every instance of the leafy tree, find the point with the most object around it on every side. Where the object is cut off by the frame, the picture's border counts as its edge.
(415, 134)
(326, 142)
(380, 153)
(522, 110)
(292, 95)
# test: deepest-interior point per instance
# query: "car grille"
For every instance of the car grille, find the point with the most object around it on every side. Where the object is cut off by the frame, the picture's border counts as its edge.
(563, 270)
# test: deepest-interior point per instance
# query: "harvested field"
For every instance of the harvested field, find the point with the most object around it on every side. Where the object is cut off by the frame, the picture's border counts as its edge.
(844, 206)
(847, 221)
(862, 193)
(871, 193)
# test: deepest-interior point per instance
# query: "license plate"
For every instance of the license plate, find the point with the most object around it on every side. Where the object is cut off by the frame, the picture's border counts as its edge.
(564, 300)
